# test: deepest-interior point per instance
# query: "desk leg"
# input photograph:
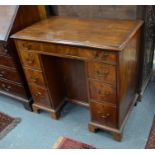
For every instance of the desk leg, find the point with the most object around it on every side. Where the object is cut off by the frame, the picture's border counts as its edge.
(35, 109)
(92, 128)
(55, 115)
(117, 136)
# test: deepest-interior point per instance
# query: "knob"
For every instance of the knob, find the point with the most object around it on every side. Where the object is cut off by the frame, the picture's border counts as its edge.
(104, 93)
(104, 73)
(37, 94)
(34, 79)
(105, 115)
(30, 61)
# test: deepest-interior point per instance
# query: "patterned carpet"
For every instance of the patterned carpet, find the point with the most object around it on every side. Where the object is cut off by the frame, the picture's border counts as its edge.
(7, 123)
(67, 143)
(151, 139)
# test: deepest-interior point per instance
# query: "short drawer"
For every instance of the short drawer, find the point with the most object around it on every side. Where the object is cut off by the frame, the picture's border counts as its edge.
(6, 61)
(35, 77)
(12, 88)
(69, 51)
(29, 45)
(104, 114)
(105, 56)
(102, 71)
(83, 53)
(100, 91)
(30, 59)
(40, 96)
(11, 75)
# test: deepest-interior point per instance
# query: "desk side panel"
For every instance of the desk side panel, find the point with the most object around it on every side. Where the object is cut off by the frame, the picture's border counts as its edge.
(128, 77)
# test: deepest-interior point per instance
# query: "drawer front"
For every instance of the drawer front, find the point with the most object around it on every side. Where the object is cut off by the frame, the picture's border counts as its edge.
(30, 59)
(84, 53)
(12, 88)
(60, 50)
(40, 96)
(29, 45)
(6, 61)
(35, 77)
(106, 56)
(9, 75)
(102, 72)
(104, 114)
(102, 92)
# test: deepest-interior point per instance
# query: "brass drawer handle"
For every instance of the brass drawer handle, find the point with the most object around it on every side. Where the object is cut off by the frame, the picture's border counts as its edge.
(105, 73)
(38, 94)
(6, 88)
(34, 79)
(102, 55)
(104, 93)
(2, 74)
(30, 61)
(105, 55)
(105, 116)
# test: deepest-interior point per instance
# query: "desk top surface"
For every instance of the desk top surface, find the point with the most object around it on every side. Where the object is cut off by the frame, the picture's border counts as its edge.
(7, 16)
(103, 34)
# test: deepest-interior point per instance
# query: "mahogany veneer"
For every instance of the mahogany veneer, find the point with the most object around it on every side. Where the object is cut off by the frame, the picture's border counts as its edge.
(90, 62)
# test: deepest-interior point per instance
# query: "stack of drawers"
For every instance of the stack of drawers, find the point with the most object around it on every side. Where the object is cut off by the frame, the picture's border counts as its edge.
(34, 75)
(34, 72)
(102, 89)
(10, 83)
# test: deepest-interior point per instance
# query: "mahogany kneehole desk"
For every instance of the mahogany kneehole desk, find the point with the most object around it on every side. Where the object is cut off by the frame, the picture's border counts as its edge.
(90, 62)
